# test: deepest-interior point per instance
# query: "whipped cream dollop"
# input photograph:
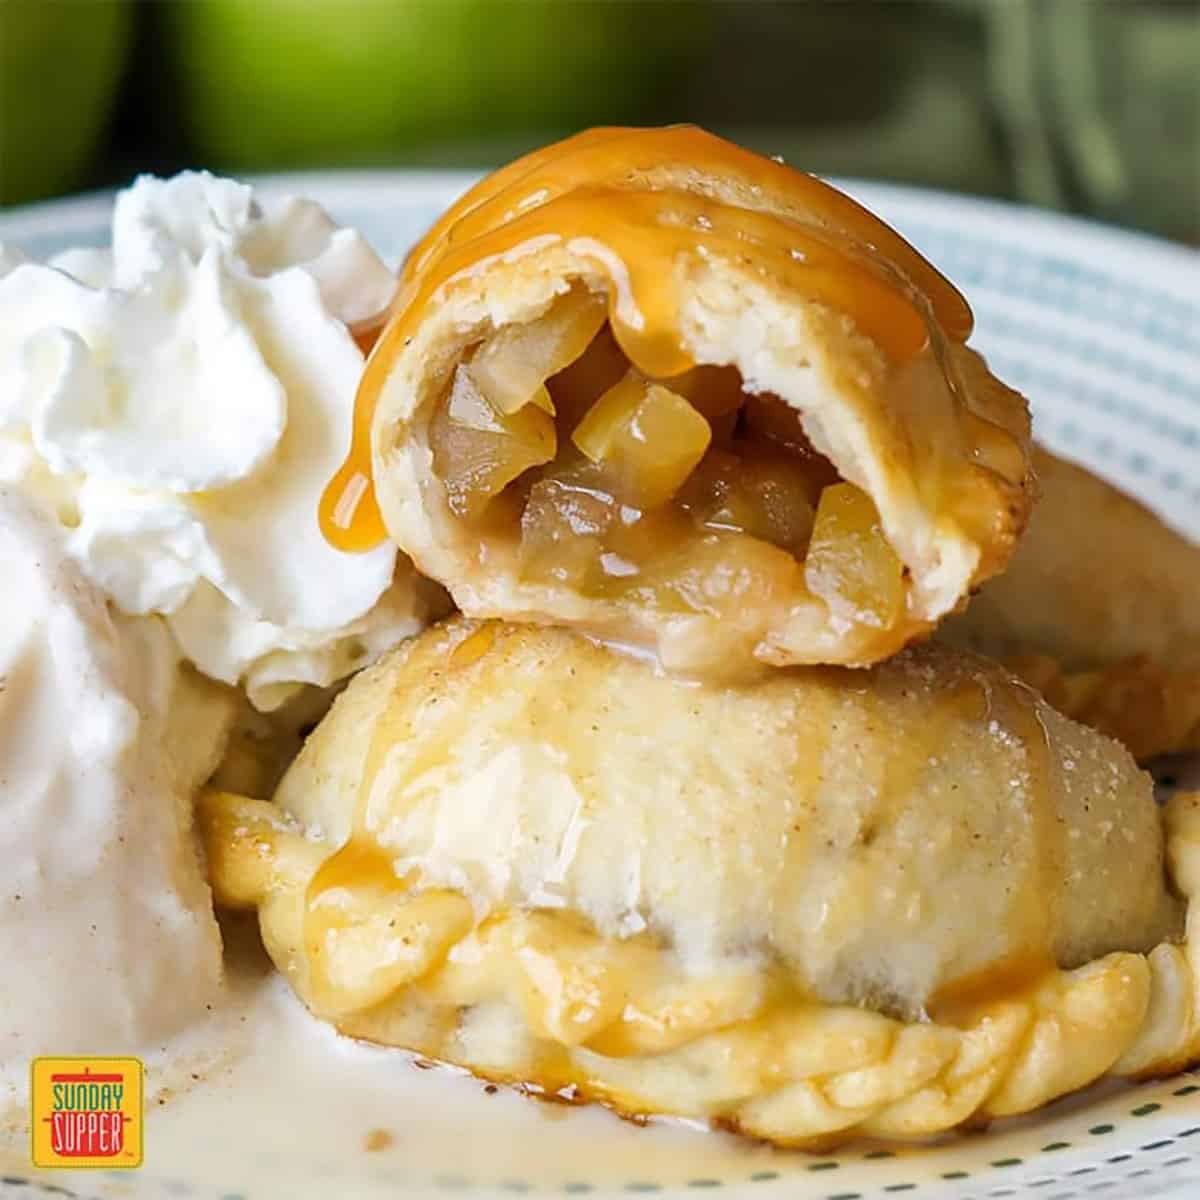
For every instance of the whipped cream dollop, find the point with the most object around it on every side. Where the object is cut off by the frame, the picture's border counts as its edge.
(179, 401)
(106, 923)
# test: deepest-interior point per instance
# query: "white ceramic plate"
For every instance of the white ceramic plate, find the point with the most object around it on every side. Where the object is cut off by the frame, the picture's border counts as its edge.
(1101, 329)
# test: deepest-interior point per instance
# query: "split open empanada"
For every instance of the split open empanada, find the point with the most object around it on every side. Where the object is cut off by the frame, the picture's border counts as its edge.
(652, 386)
(822, 903)
(1100, 609)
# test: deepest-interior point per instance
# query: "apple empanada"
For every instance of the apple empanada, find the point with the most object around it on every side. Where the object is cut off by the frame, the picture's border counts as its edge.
(821, 903)
(650, 385)
(1100, 609)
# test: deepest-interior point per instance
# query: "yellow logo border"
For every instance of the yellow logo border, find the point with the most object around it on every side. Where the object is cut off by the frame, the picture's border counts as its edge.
(107, 1164)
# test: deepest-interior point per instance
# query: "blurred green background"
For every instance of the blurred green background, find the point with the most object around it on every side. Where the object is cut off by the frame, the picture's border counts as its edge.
(1087, 105)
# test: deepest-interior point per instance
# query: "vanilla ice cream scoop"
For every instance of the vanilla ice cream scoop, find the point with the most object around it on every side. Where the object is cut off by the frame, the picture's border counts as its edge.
(179, 402)
(106, 924)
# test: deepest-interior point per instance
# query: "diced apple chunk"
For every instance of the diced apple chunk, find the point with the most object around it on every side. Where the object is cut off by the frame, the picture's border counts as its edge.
(478, 451)
(850, 564)
(754, 490)
(577, 387)
(647, 437)
(718, 574)
(511, 368)
(562, 534)
(637, 539)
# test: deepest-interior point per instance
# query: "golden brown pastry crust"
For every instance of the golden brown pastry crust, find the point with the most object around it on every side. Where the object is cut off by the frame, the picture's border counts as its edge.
(1099, 609)
(384, 938)
(1147, 708)
(920, 425)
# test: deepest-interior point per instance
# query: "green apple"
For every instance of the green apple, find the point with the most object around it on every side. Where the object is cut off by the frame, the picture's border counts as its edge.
(292, 82)
(60, 66)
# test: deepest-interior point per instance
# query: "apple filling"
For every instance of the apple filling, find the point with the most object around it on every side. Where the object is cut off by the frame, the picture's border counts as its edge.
(687, 494)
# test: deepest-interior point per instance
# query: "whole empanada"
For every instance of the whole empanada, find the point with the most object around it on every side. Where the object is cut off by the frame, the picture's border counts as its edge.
(825, 902)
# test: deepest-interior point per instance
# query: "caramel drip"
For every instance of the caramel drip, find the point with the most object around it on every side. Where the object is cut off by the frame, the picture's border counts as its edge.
(336, 886)
(1032, 914)
(366, 334)
(393, 746)
(636, 203)
(959, 1001)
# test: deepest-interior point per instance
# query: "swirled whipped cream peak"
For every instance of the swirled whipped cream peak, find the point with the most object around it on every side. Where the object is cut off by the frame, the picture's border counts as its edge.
(179, 400)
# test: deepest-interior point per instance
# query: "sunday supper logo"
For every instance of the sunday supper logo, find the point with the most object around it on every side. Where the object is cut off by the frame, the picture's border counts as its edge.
(86, 1112)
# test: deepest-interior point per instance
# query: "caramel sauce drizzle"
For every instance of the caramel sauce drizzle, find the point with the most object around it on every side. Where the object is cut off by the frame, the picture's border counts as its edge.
(633, 201)
(361, 864)
(1008, 979)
